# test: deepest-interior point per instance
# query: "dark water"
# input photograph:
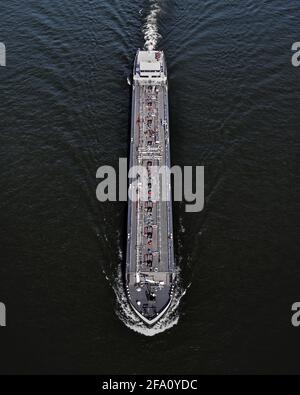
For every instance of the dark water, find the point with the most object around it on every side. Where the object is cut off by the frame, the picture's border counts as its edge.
(65, 109)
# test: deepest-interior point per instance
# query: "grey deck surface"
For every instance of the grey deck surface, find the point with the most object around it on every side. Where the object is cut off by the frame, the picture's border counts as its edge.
(142, 153)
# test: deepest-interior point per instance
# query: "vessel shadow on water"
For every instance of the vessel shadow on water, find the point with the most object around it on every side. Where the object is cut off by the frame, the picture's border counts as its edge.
(150, 263)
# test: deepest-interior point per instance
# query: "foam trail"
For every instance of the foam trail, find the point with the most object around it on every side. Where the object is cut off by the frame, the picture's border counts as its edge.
(150, 30)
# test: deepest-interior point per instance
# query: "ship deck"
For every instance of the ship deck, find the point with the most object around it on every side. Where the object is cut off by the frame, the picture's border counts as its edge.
(157, 153)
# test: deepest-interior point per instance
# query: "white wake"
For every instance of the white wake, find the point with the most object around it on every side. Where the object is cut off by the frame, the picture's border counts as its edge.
(150, 29)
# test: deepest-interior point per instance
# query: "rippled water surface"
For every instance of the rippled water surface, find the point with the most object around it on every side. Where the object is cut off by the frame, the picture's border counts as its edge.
(65, 111)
